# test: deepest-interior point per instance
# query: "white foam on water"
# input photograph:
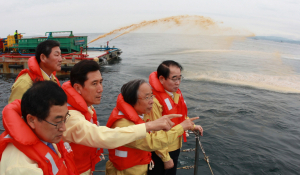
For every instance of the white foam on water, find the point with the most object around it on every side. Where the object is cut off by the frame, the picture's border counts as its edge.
(283, 84)
(198, 50)
(253, 52)
(290, 57)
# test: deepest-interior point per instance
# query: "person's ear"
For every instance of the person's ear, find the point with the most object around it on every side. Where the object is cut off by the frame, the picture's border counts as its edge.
(161, 79)
(31, 120)
(43, 58)
(78, 87)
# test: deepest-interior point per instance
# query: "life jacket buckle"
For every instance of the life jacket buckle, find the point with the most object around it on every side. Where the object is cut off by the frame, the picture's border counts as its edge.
(151, 165)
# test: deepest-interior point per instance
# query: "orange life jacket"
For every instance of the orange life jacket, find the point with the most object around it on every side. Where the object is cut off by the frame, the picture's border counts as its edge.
(34, 71)
(124, 157)
(22, 137)
(169, 106)
(85, 157)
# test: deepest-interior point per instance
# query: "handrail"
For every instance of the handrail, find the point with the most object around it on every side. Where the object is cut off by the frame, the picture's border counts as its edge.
(50, 33)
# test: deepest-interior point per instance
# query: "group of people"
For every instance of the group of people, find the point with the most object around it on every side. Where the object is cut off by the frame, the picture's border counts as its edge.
(53, 129)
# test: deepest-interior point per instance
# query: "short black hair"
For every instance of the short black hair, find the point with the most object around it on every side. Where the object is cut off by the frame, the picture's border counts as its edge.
(81, 69)
(129, 91)
(163, 68)
(38, 99)
(45, 48)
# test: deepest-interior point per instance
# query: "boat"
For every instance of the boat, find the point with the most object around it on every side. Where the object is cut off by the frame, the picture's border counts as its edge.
(14, 53)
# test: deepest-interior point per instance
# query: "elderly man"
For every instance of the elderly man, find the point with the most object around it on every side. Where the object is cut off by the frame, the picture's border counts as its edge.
(135, 100)
(83, 131)
(168, 100)
(33, 145)
(42, 67)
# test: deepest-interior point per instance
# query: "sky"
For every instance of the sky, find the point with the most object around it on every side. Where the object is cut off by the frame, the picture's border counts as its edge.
(261, 17)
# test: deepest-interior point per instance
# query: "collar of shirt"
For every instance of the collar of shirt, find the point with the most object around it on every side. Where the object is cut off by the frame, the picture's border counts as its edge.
(46, 74)
(170, 93)
(141, 116)
(90, 109)
(44, 142)
(53, 148)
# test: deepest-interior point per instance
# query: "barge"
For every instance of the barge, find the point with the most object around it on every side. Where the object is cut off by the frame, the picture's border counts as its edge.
(14, 53)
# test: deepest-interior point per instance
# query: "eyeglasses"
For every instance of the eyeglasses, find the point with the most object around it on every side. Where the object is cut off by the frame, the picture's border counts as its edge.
(175, 79)
(60, 124)
(148, 98)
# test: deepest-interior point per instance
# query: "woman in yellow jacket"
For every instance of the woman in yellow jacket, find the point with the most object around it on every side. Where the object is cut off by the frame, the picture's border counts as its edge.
(135, 100)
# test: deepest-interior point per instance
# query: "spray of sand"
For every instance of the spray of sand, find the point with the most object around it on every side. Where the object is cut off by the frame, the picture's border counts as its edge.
(194, 23)
(175, 21)
(111, 32)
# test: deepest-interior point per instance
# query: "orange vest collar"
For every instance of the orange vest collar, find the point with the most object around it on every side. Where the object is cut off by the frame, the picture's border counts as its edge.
(154, 80)
(34, 67)
(14, 124)
(34, 71)
(128, 110)
(74, 98)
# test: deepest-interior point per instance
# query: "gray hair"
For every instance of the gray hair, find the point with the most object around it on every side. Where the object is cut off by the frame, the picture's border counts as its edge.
(130, 91)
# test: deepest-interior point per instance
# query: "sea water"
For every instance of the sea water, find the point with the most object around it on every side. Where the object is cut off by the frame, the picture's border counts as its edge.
(246, 92)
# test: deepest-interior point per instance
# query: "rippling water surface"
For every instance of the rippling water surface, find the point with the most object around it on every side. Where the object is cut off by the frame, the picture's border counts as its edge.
(246, 92)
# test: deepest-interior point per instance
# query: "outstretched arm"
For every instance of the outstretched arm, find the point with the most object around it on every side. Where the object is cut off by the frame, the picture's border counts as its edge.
(81, 131)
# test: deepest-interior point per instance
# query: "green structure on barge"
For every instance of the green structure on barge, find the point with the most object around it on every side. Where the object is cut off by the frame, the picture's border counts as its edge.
(68, 44)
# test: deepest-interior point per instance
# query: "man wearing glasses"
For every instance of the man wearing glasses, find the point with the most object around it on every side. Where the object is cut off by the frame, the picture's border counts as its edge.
(133, 102)
(33, 145)
(168, 100)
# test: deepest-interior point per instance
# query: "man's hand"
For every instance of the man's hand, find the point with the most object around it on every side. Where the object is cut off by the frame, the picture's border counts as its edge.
(163, 123)
(188, 124)
(199, 128)
(169, 164)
